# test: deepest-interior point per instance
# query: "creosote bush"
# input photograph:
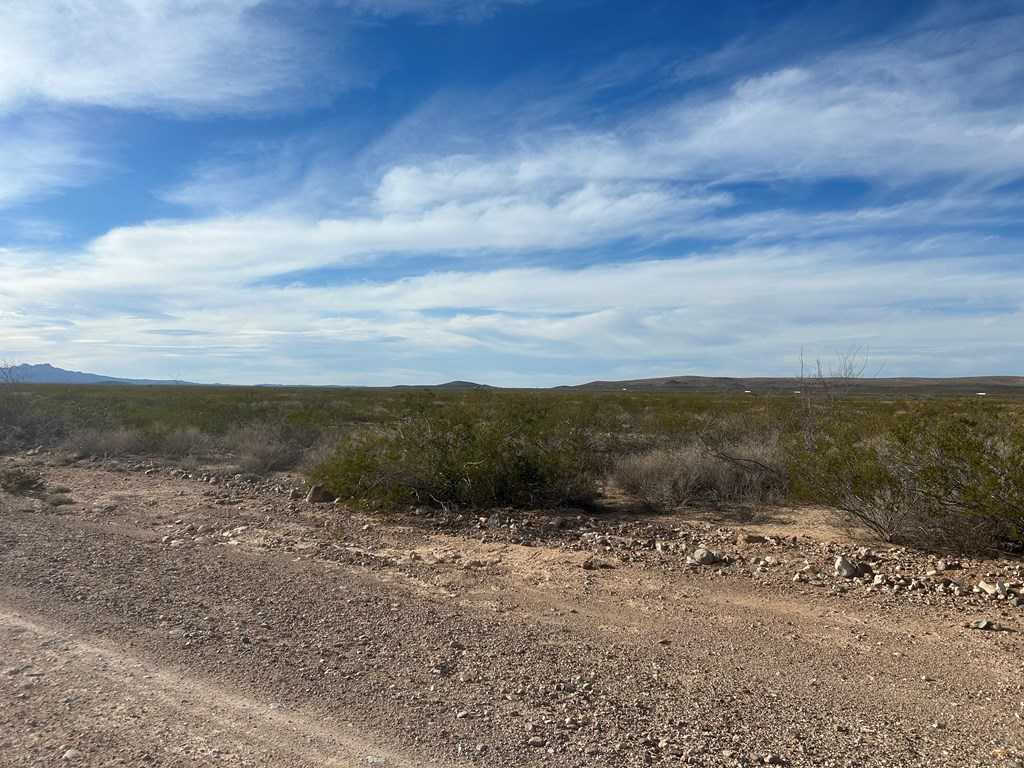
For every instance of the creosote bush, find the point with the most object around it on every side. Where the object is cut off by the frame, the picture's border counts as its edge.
(930, 476)
(477, 451)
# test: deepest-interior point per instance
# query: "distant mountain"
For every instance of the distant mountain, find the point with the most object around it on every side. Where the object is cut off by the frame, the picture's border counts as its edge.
(462, 385)
(45, 373)
(895, 387)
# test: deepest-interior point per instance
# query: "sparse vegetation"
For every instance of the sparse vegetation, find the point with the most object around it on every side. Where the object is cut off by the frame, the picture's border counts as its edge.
(478, 451)
(20, 482)
(935, 472)
(668, 478)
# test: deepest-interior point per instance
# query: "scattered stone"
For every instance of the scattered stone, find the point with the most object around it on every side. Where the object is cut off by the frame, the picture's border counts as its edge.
(71, 755)
(595, 564)
(536, 741)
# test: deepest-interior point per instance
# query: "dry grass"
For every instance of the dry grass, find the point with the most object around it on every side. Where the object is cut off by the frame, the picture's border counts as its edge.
(105, 443)
(261, 447)
(668, 478)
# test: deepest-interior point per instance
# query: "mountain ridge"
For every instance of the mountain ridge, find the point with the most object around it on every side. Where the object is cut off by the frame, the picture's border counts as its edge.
(46, 373)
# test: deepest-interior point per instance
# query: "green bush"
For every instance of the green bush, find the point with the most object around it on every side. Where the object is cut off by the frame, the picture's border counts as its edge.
(929, 475)
(476, 451)
(967, 467)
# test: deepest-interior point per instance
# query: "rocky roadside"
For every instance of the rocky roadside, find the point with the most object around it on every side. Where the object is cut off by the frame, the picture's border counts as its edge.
(528, 638)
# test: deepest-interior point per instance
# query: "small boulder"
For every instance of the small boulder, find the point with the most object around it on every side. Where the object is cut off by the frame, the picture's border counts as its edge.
(703, 556)
(990, 589)
(846, 568)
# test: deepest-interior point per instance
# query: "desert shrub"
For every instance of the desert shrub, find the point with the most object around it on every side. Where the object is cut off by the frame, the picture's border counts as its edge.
(22, 423)
(321, 451)
(967, 468)
(20, 482)
(263, 447)
(106, 443)
(844, 466)
(185, 442)
(476, 451)
(930, 476)
(746, 471)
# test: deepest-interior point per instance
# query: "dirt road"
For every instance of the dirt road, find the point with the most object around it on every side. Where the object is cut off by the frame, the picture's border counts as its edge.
(153, 619)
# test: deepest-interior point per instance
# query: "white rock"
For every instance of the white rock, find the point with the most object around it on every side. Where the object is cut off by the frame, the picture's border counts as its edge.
(988, 588)
(703, 556)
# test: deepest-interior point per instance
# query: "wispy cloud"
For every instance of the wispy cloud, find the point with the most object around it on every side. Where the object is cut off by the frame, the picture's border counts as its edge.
(171, 55)
(39, 156)
(739, 311)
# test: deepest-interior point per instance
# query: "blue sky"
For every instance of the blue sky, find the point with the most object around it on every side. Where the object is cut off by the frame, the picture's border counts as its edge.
(520, 192)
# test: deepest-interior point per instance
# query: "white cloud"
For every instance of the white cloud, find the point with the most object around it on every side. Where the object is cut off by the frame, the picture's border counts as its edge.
(177, 55)
(935, 102)
(261, 246)
(38, 156)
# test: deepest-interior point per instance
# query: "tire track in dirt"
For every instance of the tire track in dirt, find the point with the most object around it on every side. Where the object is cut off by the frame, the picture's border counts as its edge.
(63, 695)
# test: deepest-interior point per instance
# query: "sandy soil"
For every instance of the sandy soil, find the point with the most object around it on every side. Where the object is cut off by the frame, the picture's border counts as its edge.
(150, 618)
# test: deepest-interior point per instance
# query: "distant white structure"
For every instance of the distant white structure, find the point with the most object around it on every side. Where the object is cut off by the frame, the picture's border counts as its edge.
(746, 391)
(981, 394)
(796, 391)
